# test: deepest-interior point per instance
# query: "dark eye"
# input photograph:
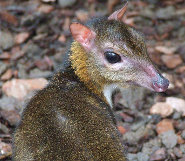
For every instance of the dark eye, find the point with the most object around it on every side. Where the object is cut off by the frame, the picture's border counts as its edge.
(112, 57)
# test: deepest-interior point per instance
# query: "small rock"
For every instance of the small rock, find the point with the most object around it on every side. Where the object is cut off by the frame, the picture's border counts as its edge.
(22, 74)
(6, 40)
(147, 12)
(171, 61)
(171, 154)
(42, 32)
(122, 130)
(130, 137)
(181, 85)
(149, 31)
(68, 3)
(11, 116)
(62, 38)
(32, 50)
(67, 22)
(159, 154)
(5, 148)
(155, 56)
(29, 19)
(177, 152)
(135, 136)
(19, 88)
(126, 118)
(4, 129)
(132, 157)
(164, 126)
(177, 104)
(183, 134)
(7, 75)
(180, 140)
(142, 156)
(39, 36)
(169, 139)
(151, 146)
(138, 125)
(3, 67)
(177, 115)
(165, 13)
(36, 73)
(9, 103)
(21, 37)
(5, 55)
(16, 53)
(45, 9)
(82, 15)
(180, 69)
(162, 109)
(166, 50)
(132, 149)
(155, 119)
(180, 125)
(44, 64)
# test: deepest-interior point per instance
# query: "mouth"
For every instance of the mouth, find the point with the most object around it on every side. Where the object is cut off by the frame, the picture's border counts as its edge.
(161, 84)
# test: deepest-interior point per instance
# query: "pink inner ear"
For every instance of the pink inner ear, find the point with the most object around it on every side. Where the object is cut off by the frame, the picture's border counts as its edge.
(118, 15)
(82, 34)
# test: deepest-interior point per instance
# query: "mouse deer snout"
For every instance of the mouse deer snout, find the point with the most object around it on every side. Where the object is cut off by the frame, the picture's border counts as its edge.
(160, 84)
(153, 79)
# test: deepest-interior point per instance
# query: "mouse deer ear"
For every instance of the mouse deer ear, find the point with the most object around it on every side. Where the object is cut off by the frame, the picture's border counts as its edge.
(118, 15)
(83, 35)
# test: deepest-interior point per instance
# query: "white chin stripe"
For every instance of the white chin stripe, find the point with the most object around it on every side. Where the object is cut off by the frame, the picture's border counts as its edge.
(108, 90)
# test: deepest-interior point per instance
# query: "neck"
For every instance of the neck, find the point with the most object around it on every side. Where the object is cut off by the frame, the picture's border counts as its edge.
(85, 70)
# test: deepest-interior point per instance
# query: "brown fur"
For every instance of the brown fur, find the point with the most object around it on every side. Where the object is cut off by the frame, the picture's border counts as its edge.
(67, 122)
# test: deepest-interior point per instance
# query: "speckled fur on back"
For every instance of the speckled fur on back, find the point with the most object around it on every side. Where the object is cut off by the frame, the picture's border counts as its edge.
(67, 122)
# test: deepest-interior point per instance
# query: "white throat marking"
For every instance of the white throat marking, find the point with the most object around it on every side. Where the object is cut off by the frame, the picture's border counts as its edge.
(108, 90)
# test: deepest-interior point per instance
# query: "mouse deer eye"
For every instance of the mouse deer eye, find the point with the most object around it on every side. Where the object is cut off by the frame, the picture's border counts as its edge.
(112, 57)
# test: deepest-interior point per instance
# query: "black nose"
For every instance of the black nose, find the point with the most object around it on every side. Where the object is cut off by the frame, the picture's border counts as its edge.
(160, 84)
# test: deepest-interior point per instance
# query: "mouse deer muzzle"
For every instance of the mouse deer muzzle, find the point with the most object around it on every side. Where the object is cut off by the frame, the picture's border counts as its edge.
(156, 81)
(160, 84)
(151, 78)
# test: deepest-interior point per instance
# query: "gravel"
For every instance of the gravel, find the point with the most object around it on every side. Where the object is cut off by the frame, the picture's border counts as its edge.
(9, 103)
(66, 3)
(142, 156)
(159, 154)
(151, 146)
(6, 40)
(169, 139)
(162, 25)
(3, 67)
